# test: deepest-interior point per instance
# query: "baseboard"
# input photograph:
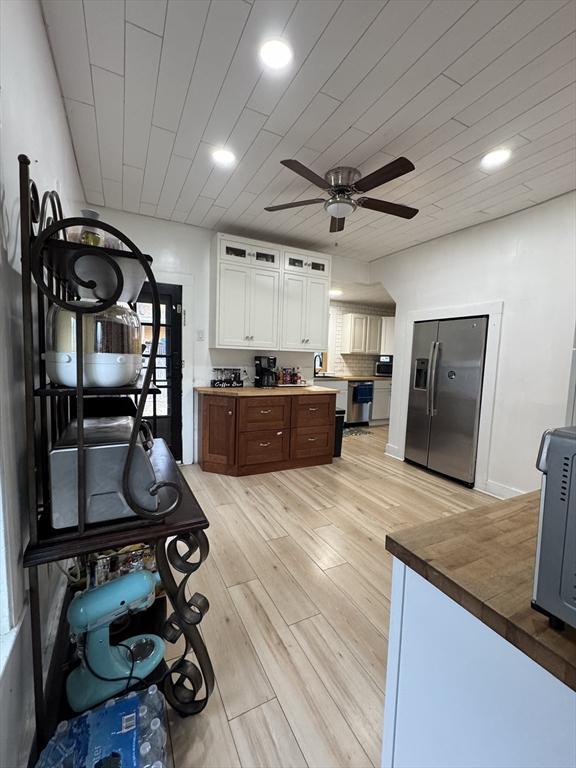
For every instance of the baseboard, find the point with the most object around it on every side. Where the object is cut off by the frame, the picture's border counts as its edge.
(498, 490)
(394, 451)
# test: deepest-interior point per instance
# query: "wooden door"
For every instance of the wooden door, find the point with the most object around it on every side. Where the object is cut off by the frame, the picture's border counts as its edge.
(218, 429)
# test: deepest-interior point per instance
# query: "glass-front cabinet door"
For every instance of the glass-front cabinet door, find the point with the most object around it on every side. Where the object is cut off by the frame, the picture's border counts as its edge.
(248, 253)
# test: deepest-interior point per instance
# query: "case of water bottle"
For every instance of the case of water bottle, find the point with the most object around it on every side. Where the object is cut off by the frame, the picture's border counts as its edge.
(127, 732)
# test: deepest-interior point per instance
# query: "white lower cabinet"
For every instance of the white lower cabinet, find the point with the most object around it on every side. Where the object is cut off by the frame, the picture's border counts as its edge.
(304, 313)
(381, 401)
(248, 307)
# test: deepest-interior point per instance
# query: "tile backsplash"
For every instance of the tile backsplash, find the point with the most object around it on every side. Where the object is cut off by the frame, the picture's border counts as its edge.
(350, 365)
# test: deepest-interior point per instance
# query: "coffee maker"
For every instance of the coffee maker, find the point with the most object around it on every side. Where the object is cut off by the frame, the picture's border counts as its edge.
(265, 375)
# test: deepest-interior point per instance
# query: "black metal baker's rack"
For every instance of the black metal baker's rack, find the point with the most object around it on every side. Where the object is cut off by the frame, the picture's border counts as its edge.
(177, 528)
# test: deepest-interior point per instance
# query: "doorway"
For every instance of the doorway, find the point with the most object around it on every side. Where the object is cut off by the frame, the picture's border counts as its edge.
(164, 410)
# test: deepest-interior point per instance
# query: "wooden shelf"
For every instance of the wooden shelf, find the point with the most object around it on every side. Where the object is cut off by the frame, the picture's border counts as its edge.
(59, 545)
(56, 390)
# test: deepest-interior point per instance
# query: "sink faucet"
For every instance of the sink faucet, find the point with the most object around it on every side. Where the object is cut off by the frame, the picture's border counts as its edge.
(317, 356)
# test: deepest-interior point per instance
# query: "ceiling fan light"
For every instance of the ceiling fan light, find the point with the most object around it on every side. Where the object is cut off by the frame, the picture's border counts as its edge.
(339, 206)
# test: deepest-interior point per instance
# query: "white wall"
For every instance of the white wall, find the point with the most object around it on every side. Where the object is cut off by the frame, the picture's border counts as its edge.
(528, 262)
(32, 122)
(181, 254)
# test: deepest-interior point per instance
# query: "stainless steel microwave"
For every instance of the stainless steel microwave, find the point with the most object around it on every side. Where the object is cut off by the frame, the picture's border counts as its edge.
(383, 366)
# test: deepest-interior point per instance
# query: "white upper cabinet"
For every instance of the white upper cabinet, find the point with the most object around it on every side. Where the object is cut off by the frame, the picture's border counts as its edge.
(387, 343)
(247, 307)
(373, 334)
(305, 309)
(317, 313)
(264, 308)
(311, 263)
(363, 334)
(293, 311)
(354, 341)
(233, 317)
(266, 297)
(258, 255)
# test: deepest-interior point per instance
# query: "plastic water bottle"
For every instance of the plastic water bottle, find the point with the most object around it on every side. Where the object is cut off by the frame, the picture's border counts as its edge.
(148, 755)
(157, 735)
(154, 700)
(145, 718)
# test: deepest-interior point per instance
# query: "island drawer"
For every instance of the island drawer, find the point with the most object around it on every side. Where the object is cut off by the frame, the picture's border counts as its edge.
(257, 413)
(263, 446)
(314, 411)
(312, 441)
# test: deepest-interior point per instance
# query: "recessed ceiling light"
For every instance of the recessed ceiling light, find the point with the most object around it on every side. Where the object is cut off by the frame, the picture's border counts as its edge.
(276, 54)
(335, 292)
(495, 159)
(224, 157)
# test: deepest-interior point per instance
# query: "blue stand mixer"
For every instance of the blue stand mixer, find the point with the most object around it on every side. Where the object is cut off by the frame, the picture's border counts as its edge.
(106, 670)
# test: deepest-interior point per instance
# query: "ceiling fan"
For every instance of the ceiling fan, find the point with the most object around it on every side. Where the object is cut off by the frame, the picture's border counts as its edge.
(343, 182)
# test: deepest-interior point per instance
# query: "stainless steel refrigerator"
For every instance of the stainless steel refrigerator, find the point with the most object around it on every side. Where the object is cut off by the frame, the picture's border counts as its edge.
(445, 392)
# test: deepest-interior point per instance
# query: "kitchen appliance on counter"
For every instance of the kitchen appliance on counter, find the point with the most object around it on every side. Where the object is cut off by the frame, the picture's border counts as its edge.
(265, 373)
(445, 393)
(383, 366)
(555, 570)
(112, 346)
(360, 398)
(105, 448)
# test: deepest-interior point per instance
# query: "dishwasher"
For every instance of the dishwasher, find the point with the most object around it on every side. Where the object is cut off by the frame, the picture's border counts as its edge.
(360, 397)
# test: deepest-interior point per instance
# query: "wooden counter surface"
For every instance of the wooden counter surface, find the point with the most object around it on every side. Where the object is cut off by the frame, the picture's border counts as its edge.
(265, 391)
(353, 378)
(484, 560)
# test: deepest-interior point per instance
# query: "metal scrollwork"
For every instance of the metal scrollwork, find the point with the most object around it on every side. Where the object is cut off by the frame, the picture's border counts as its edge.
(185, 679)
(41, 245)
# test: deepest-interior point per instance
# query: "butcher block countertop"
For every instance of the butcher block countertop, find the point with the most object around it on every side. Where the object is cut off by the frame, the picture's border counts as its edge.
(484, 560)
(265, 391)
(353, 378)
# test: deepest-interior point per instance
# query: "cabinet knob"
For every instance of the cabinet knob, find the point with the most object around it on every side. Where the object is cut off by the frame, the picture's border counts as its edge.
(264, 445)
(229, 413)
(312, 439)
(266, 410)
(312, 409)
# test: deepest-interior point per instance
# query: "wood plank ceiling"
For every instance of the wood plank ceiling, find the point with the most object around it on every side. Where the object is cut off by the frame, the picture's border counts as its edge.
(152, 86)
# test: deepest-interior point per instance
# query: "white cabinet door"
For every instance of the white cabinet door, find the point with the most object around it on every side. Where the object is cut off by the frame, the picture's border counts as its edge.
(236, 251)
(387, 346)
(373, 334)
(234, 305)
(354, 333)
(295, 262)
(317, 310)
(381, 403)
(319, 265)
(293, 311)
(265, 292)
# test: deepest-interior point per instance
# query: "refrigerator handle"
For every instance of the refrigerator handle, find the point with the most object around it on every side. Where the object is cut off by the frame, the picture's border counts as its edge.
(429, 381)
(433, 375)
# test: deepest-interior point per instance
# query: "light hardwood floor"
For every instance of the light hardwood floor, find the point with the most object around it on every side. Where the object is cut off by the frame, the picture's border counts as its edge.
(298, 581)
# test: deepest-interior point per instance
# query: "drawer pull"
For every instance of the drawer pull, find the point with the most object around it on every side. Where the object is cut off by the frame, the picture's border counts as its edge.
(229, 413)
(312, 439)
(264, 445)
(267, 410)
(312, 409)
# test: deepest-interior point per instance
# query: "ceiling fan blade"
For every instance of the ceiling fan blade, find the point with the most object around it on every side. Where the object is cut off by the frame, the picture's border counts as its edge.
(390, 171)
(395, 209)
(336, 225)
(306, 173)
(297, 204)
